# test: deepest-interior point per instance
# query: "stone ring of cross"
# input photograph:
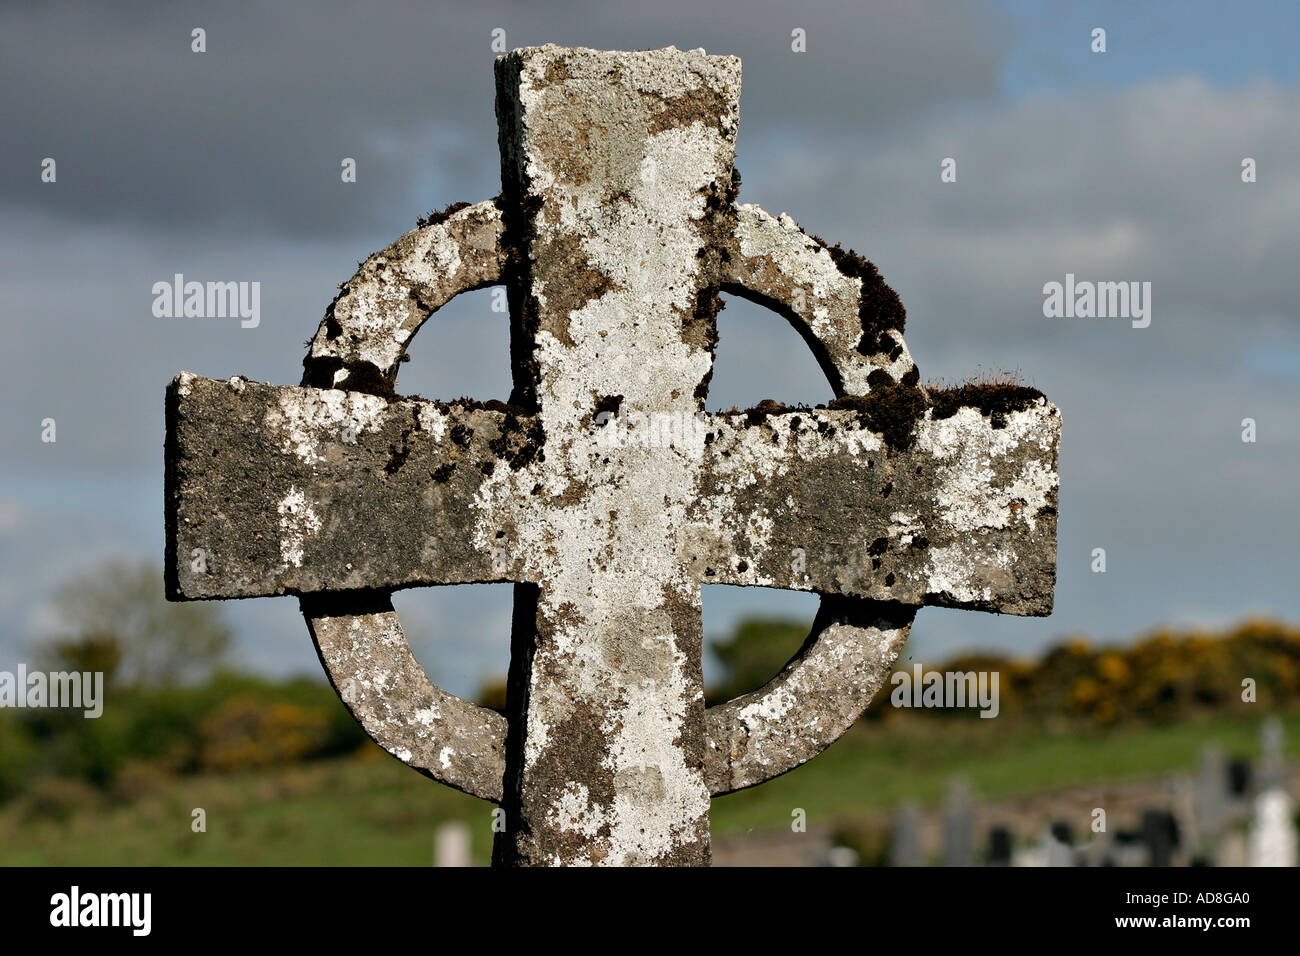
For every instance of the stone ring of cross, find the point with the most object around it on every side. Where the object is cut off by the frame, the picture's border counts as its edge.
(601, 489)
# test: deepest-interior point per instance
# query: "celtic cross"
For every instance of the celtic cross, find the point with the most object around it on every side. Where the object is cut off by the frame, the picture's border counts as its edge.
(602, 489)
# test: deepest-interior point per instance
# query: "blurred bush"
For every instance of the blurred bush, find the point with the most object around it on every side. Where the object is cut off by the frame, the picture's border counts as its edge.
(1166, 676)
(232, 722)
(162, 726)
(753, 655)
(246, 732)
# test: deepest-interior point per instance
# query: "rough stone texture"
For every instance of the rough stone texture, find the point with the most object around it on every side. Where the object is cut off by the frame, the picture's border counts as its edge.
(602, 490)
(370, 493)
(771, 261)
(816, 501)
(391, 696)
(378, 310)
(298, 490)
(613, 160)
(813, 701)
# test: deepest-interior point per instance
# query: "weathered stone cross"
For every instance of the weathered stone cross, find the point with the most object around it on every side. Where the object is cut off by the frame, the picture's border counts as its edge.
(602, 490)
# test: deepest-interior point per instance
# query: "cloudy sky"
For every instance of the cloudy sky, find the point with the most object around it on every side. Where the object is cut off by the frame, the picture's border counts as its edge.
(1123, 165)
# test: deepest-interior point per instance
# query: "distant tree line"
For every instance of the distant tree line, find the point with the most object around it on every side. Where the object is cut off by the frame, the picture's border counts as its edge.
(174, 706)
(1167, 675)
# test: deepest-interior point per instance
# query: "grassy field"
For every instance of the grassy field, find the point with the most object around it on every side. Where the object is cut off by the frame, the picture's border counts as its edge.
(371, 810)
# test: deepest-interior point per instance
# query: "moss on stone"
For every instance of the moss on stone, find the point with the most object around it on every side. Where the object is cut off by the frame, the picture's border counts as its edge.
(768, 406)
(994, 400)
(879, 307)
(890, 410)
(440, 215)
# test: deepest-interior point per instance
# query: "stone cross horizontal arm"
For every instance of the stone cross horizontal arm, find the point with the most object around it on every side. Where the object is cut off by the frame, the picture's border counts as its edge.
(368, 493)
(603, 491)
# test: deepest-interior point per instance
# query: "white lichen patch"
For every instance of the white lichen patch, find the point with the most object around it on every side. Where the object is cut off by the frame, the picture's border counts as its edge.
(434, 421)
(769, 707)
(573, 812)
(657, 798)
(810, 283)
(970, 494)
(904, 526)
(298, 522)
(804, 265)
(306, 420)
(377, 315)
(950, 574)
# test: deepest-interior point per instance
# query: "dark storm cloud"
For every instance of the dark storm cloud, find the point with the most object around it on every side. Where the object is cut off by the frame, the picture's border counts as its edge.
(225, 166)
(248, 137)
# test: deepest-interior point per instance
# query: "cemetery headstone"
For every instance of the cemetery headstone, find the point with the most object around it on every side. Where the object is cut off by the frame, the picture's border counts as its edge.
(1182, 798)
(1058, 845)
(1232, 851)
(905, 843)
(451, 844)
(1272, 840)
(1160, 835)
(1000, 847)
(1272, 764)
(1211, 794)
(958, 826)
(1240, 778)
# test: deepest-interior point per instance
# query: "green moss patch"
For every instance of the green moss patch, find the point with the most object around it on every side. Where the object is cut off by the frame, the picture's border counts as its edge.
(879, 307)
(440, 215)
(890, 410)
(994, 401)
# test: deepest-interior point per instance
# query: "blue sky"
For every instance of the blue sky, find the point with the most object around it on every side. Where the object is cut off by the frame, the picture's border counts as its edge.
(1116, 166)
(1227, 44)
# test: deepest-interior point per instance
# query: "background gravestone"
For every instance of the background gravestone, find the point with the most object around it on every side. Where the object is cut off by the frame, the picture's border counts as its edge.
(1000, 847)
(1212, 794)
(905, 840)
(958, 826)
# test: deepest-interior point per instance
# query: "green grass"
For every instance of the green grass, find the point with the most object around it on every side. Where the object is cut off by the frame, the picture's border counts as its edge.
(877, 766)
(372, 810)
(369, 810)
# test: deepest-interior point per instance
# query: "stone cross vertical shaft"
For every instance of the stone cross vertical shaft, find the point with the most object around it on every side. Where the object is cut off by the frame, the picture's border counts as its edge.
(617, 166)
(601, 489)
